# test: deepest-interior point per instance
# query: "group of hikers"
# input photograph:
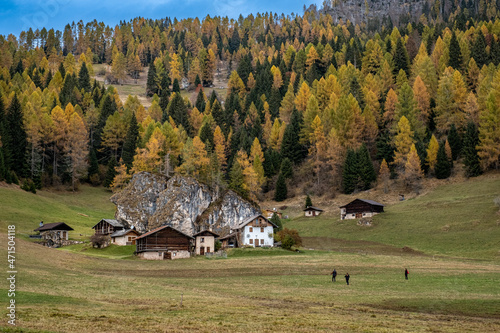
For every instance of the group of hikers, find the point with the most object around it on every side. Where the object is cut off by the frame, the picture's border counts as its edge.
(347, 276)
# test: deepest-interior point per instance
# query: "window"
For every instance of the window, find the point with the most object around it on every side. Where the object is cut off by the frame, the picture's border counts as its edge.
(251, 241)
(261, 242)
(261, 229)
(251, 229)
(202, 240)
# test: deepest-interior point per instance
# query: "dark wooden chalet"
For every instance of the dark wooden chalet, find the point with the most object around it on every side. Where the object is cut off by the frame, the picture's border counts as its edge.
(312, 211)
(360, 208)
(53, 231)
(107, 227)
(164, 243)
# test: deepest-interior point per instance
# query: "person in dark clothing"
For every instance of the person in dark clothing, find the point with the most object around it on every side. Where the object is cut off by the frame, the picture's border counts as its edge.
(347, 278)
(334, 275)
(406, 274)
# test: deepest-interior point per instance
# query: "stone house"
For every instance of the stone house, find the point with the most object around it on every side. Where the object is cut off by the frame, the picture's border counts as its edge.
(54, 234)
(311, 211)
(205, 242)
(124, 237)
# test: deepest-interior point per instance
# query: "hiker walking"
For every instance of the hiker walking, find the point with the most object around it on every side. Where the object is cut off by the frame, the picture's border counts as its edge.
(406, 274)
(347, 278)
(334, 275)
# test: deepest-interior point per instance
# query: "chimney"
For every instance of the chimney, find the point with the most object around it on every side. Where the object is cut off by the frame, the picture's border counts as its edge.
(41, 223)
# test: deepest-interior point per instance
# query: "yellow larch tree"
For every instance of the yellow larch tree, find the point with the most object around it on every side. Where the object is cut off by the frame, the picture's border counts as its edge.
(403, 142)
(175, 67)
(432, 152)
(413, 172)
(422, 98)
(302, 97)
(77, 148)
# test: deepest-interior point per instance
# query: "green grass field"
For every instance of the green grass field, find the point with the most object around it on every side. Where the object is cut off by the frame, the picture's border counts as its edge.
(453, 284)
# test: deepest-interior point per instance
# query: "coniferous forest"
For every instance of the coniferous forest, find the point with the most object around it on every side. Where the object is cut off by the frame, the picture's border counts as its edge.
(336, 105)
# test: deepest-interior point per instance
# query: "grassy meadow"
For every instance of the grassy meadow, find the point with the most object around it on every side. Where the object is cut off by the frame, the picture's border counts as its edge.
(451, 238)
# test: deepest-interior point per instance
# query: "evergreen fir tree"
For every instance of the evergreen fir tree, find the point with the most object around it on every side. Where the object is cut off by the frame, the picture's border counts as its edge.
(443, 165)
(366, 171)
(281, 191)
(206, 135)
(350, 173)
(479, 50)
(93, 163)
(197, 81)
(37, 80)
(48, 79)
(84, 78)
(455, 59)
(401, 58)
(3, 169)
(495, 51)
(286, 168)
(62, 70)
(275, 219)
(455, 142)
(130, 143)
(110, 173)
(151, 88)
(471, 158)
(308, 201)
(176, 87)
(200, 101)
(236, 179)
(17, 139)
(290, 146)
(422, 155)
(177, 109)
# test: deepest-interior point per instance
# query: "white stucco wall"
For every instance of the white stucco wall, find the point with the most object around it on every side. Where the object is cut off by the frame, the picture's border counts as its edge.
(257, 234)
(122, 240)
(208, 242)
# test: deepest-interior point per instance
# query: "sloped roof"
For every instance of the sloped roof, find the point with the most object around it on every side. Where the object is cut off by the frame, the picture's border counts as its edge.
(114, 223)
(54, 226)
(313, 208)
(371, 202)
(161, 228)
(233, 234)
(250, 219)
(204, 232)
(123, 232)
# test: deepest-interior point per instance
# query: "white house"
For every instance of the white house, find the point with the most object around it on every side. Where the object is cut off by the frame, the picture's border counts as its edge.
(124, 237)
(256, 231)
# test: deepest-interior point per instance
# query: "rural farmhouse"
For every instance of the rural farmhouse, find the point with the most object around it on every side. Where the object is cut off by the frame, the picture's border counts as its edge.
(359, 208)
(255, 231)
(164, 243)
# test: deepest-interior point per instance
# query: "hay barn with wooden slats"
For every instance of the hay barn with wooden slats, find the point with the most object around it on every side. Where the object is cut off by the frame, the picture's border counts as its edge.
(164, 243)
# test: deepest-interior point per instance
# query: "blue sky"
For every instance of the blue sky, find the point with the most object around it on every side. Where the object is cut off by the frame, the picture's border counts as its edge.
(18, 15)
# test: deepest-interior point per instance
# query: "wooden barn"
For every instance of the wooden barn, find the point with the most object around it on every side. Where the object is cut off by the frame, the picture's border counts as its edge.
(124, 237)
(54, 231)
(205, 242)
(164, 243)
(107, 227)
(360, 208)
(255, 231)
(311, 211)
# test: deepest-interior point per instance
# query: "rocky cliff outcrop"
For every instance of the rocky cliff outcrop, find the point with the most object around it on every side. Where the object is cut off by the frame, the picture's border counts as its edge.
(361, 11)
(150, 201)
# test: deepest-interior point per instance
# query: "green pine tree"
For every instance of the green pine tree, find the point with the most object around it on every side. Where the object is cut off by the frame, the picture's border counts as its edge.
(151, 87)
(290, 146)
(281, 190)
(308, 201)
(84, 78)
(366, 171)
(479, 50)
(17, 139)
(93, 164)
(443, 165)
(275, 219)
(130, 144)
(471, 158)
(110, 173)
(236, 179)
(177, 109)
(455, 142)
(350, 172)
(200, 101)
(286, 168)
(176, 87)
(401, 60)
(455, 59)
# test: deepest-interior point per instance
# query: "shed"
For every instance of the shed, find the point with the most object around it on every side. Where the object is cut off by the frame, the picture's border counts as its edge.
(54, 231)
(124, 237)
(312, 211)
(164, 243)
(359, 208)
(205, 242)
(107, 227)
